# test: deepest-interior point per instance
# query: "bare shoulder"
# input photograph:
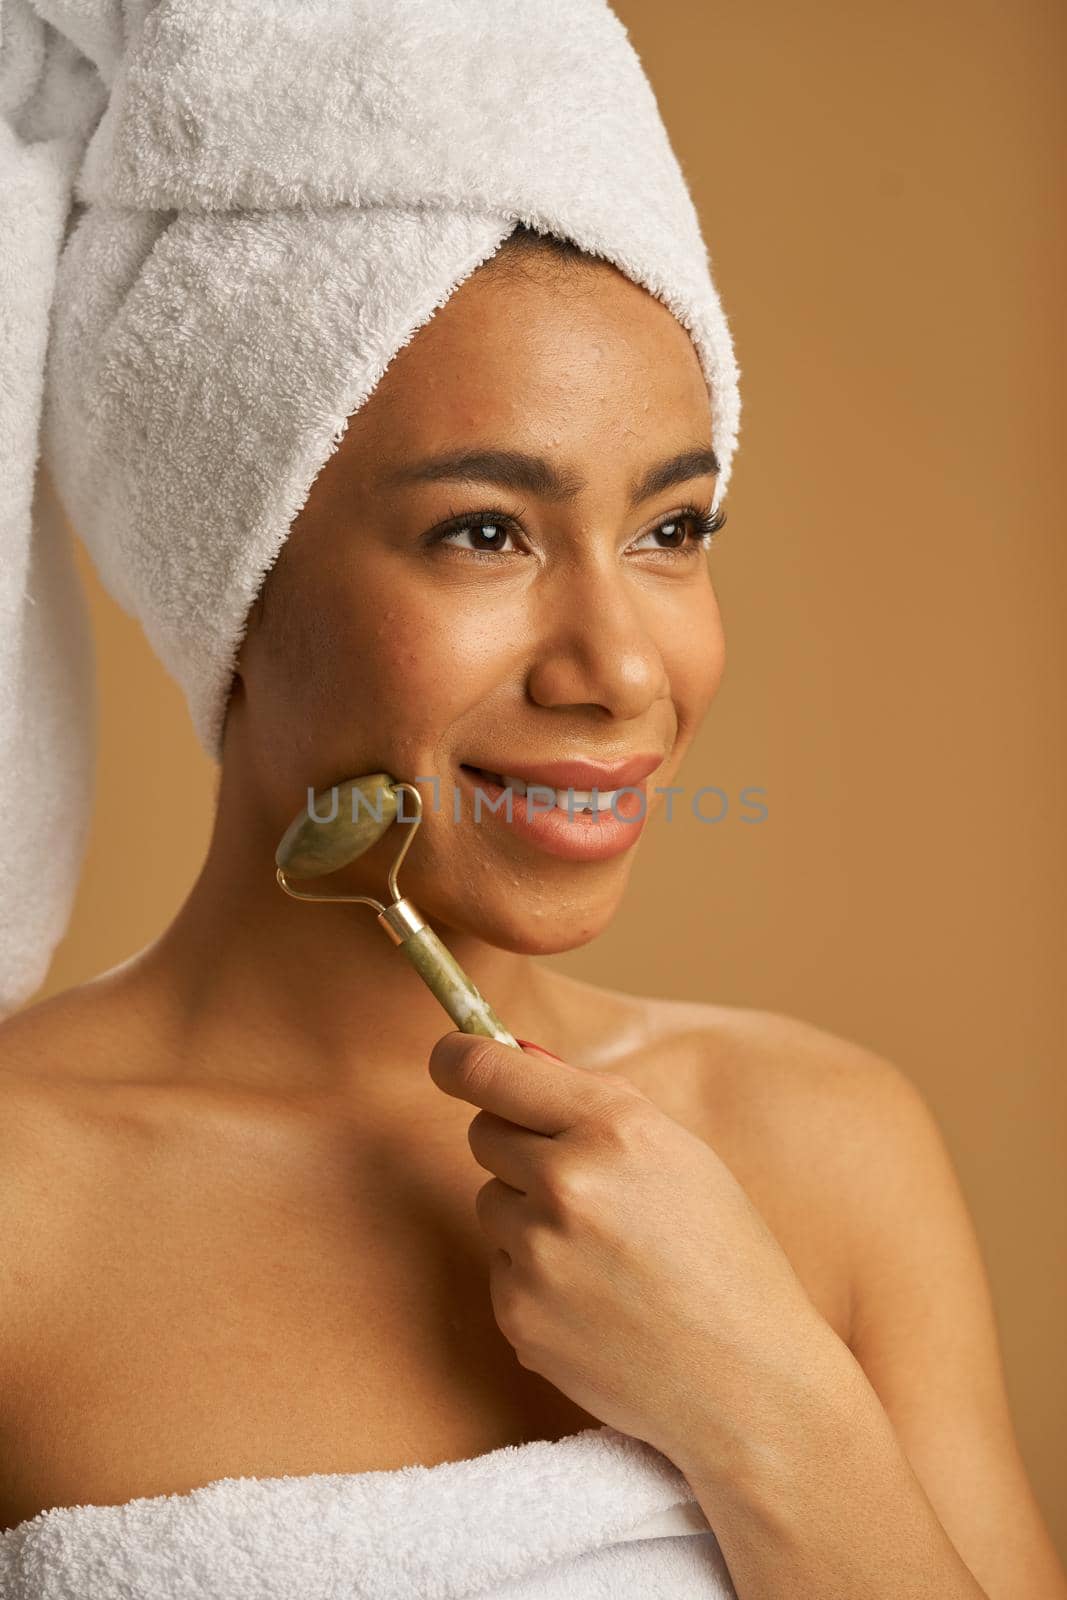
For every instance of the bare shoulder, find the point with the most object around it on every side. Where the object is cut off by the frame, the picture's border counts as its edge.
(33, 1045)
(46, 1051)
(806, 1118)
(54, 1056)
(815, 1102)
(738, 1064)
(764, 1068)
(846, 1159)
(773, 1054)
(797, 1095)
(35, 1169)
(70, 1036)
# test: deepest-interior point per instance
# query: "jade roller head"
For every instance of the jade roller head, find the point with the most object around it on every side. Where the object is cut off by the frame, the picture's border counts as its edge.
(339, 825)
(335, 828)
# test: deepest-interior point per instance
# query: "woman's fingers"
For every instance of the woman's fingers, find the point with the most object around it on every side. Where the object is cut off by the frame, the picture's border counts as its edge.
(506, 1150)
(531, 1090)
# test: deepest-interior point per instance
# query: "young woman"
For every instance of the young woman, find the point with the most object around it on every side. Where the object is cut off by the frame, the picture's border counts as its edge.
(301, 1292)
(266, 1215)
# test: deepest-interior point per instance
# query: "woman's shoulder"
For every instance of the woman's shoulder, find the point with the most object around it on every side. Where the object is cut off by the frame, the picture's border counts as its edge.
(773, 1063)
(789, 1093)
(39, 1169)
(806, 1118)
(34, 1043)
(46, 1049)
(57, 1058)
(65, 1036)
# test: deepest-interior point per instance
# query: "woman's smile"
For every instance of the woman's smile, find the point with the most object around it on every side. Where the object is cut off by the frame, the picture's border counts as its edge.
(557, 821)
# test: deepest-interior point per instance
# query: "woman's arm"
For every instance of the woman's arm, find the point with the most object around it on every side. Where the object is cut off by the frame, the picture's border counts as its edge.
(890, 1470)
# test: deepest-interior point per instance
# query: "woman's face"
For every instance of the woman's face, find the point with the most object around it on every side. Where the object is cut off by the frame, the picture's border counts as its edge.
(552, 624)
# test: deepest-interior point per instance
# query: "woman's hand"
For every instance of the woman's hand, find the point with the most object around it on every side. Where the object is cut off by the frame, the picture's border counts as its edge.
(629, 1268)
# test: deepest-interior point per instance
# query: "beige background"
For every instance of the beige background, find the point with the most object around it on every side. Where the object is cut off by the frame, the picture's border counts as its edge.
(881, 192)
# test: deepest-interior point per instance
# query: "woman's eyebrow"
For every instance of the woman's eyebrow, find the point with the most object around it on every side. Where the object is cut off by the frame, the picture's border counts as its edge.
(515, 469)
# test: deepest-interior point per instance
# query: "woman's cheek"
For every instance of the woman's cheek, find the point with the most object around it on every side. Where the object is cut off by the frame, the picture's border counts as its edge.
(696, 663)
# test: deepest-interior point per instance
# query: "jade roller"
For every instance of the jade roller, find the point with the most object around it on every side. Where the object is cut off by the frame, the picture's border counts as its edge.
(363, 811)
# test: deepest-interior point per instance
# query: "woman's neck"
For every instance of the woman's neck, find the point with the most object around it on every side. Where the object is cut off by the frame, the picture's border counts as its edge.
(303, 999)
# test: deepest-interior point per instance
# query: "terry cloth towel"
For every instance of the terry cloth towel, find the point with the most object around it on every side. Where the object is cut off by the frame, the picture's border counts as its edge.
(597, 1515)
(219, 222)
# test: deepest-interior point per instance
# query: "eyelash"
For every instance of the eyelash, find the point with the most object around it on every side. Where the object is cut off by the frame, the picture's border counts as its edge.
(707, 524)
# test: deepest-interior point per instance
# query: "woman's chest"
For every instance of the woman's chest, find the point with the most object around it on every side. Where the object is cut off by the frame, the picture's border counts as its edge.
(189, 1326)
(235, 1304)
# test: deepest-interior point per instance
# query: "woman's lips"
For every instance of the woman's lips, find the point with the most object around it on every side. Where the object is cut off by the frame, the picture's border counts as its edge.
(572, 835)
(605, 776)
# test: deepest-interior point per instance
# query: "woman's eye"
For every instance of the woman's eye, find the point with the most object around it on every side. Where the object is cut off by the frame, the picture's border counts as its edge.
(685, 533)
(704, 525)
(488, 533)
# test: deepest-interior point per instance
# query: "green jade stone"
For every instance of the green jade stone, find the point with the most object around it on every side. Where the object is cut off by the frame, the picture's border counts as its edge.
(309, 848)
(442, 973)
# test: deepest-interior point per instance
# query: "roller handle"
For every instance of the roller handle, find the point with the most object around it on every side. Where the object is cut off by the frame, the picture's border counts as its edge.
(441, 972)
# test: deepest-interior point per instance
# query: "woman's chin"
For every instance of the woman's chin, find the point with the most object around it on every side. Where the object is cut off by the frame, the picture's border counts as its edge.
(536, 928)
(555, 941)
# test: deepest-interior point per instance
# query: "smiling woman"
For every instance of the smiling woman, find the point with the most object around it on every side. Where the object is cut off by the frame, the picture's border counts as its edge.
(491, 495)
(404, 481)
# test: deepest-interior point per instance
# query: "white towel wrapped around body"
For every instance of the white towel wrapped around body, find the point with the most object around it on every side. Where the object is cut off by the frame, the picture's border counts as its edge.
(221, 221)
(597, 1515)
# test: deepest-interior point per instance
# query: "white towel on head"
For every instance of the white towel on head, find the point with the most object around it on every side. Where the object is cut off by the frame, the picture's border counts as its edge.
(597, 1515)
(219, 222)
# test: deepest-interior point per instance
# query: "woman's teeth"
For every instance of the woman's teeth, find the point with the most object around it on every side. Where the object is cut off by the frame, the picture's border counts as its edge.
(579, 799)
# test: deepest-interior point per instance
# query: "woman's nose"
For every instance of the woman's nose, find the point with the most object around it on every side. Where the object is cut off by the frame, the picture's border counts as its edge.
(597, 647)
